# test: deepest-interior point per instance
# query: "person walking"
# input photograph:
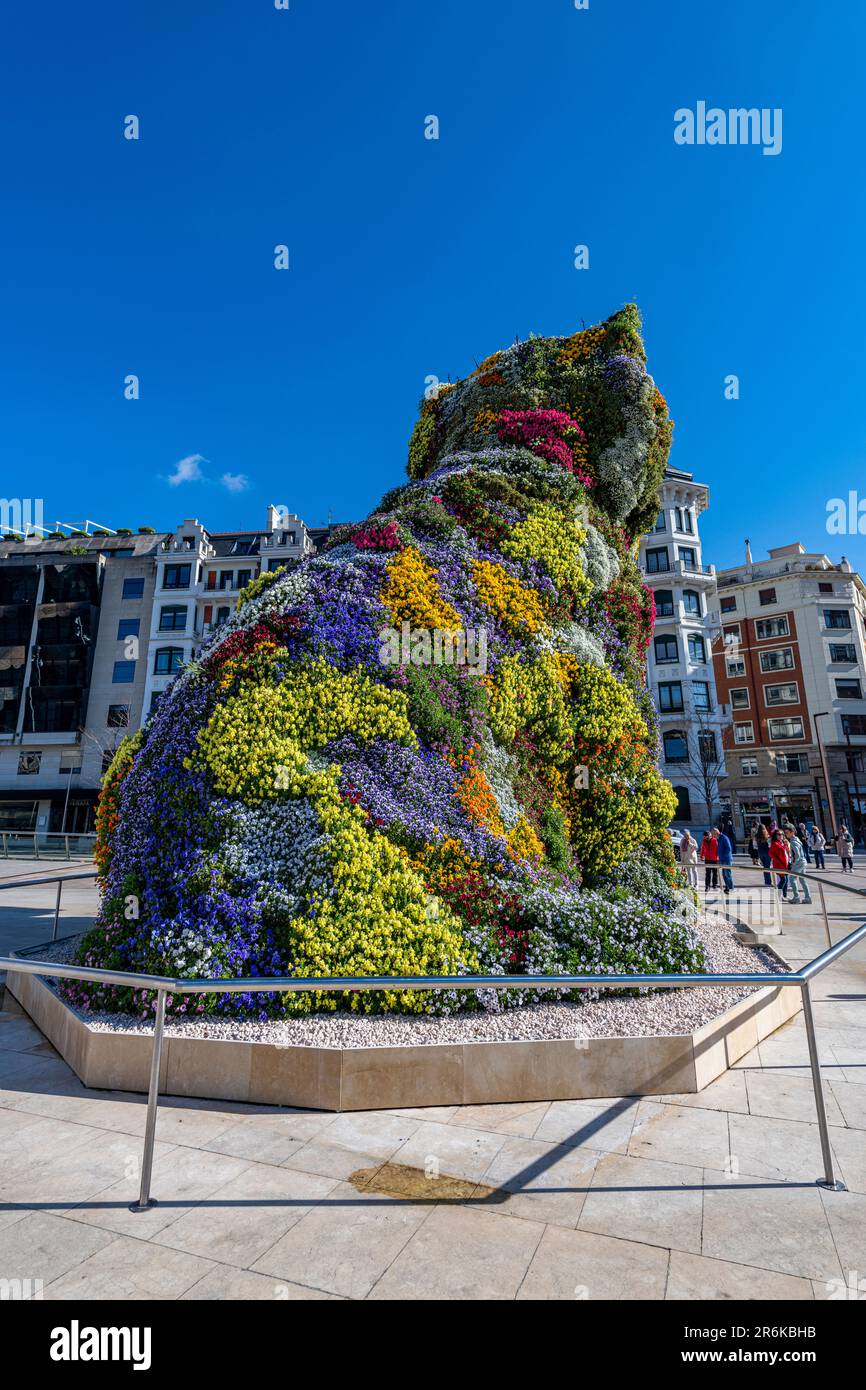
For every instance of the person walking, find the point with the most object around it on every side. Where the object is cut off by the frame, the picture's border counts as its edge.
(753, 846)
(816, 844)
(725, 851)
(710, 854)
(689, 857)
(803, 837)
(845, 846)
(798, 868)
(764, 854)
(780, 858)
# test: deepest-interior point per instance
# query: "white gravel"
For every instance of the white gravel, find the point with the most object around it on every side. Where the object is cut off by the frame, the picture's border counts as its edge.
(659, 1014)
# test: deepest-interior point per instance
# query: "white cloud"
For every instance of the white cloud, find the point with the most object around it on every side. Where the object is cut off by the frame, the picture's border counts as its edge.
(187, 470)
(235, 482)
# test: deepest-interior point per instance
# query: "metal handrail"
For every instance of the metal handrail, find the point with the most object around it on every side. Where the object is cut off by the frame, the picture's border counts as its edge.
(164, 985)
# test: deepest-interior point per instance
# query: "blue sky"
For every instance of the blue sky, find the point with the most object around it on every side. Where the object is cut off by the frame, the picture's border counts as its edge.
(412, 257)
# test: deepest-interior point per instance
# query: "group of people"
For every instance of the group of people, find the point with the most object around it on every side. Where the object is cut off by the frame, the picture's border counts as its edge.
(716, 852)
(812, 842)
(783, 851)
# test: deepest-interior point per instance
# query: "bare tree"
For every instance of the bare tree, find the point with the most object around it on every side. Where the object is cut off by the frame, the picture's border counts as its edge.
(703, 773)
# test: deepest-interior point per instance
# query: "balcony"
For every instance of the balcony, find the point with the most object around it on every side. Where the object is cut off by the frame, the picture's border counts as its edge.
(679, 569)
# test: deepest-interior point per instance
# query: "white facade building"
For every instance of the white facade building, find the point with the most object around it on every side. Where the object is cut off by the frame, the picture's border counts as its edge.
(199, 574)
(680, 660)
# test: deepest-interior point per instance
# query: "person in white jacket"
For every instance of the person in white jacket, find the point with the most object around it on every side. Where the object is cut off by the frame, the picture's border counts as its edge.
(689, 857)
(816, 845)
(845, 846)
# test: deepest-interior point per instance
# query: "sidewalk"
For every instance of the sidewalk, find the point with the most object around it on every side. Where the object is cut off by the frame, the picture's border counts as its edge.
(705, 1196)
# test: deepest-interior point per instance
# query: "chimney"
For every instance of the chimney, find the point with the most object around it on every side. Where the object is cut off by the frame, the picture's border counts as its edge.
(749, 560)
(273, 523)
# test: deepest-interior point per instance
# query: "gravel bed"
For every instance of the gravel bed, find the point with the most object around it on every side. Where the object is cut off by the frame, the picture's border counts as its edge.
(663, 1013)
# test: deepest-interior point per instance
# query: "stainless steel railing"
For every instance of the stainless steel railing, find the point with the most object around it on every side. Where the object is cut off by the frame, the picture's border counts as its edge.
(164, 985)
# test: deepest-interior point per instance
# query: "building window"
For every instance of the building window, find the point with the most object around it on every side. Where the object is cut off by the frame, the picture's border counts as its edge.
(782, 659)
(697, 648)
(176, 576)
(849, 690)
(666, 649)
(29, 764)
(707, 747)
(854, 724)
(676, 748)
(124, 673)
(792, 762)
(661, 524)
(729, 603)
(843, 653)
(683, 518)
(787, 694)
(243, 578)
(825, 588)
(691, 602)
(155, 698)
(854, 762)
(167, 660)
(128, 627)
(701, 696)
(684, 804)
(688, 558)
(765, 628)
(735, 666)
(749, 767)
(664, 603)
(172, 617)
(226, 580)
(732, 633)
(671, 697)
(657, 561)
(786, 728)
(744, 733)
(118, 717)
(740, 698)
(107, 759)
(837, 618)
(70, 763)
(766, 596)
(222, 616)
(243, 547)
(133, 588)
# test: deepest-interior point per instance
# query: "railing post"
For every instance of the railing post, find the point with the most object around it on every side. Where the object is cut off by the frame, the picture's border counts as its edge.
(5, 845)
(35, 845)
(824, 910)
(829, 1178)
(145, 1201)
(57, 909)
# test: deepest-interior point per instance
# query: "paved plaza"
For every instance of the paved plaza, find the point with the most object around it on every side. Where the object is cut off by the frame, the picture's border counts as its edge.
(708, 1196)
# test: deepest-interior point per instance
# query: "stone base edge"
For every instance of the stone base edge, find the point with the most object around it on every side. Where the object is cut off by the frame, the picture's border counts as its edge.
(380, 1078)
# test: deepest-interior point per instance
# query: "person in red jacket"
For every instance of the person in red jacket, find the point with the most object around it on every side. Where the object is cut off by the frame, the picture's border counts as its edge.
(780, 858)
(710, 856)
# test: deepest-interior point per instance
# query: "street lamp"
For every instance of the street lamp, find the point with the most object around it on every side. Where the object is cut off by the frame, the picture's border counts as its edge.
(852, 764)
(823, 753)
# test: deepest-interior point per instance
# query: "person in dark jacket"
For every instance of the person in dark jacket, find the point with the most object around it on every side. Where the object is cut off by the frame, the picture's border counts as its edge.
(764, 854)
(726, 858)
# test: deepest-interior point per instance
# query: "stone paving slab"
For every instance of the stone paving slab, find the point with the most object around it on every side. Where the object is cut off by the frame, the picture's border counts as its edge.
(708, 1196)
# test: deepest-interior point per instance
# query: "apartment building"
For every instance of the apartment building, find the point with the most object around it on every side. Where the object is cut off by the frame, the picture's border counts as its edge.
(790, 665)
(199, 575)
(680, 668)
(92, 629)
(72, 609)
